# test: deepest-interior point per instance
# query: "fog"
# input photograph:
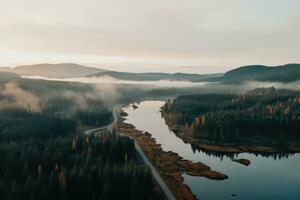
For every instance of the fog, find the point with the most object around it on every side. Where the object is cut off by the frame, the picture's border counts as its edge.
(107, 91)
(108, 81)
(18, 98)
(257, 84)
(106, 85)
(12, 95)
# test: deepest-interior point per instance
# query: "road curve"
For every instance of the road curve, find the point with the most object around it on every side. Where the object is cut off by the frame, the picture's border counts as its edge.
(168, 194)
(106, 127)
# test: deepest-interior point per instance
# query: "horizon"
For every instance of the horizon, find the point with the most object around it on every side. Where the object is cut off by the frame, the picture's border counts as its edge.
(141, 68)
(160, 69)
(194, 36)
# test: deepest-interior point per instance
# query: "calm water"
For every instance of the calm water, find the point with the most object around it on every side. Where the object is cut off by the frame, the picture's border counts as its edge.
(265, 178)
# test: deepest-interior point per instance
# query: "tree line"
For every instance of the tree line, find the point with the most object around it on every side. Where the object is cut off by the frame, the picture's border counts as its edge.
(266, 112)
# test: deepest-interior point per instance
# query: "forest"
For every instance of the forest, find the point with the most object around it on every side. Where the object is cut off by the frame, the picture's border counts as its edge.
(18, 124)
(45, 156)
(39, 108)
(74, 167)
(266, 112)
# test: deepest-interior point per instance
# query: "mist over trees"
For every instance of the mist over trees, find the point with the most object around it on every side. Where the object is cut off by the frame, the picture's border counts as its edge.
(44, 155)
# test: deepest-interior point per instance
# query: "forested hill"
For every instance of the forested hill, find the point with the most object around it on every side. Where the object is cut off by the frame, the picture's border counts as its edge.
(154, 76)
(284, 73)
(267, 112)
(70, 70)
(62, 70)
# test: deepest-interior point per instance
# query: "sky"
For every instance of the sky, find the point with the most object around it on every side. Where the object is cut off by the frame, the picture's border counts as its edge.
(199, 36)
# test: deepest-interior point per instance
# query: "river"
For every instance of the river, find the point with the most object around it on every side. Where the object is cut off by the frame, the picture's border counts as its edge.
(275, 177)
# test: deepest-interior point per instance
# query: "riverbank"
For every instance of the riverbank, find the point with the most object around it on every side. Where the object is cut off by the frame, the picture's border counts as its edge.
(232, 148)
(148, 118)
(170, 165)
(185, 134)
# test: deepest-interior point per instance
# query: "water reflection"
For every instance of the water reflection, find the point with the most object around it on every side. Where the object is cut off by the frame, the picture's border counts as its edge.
(221, 155)
(269, 176)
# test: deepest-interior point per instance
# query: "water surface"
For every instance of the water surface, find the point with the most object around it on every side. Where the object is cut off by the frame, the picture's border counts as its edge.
(273, 177)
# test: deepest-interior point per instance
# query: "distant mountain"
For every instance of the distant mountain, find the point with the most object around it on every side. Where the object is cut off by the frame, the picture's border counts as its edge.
(63, 70)
(8, 75)
(154, 76)
(283, 73)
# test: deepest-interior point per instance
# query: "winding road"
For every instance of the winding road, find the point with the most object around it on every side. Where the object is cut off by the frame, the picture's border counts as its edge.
(106, 127)
(168, 194)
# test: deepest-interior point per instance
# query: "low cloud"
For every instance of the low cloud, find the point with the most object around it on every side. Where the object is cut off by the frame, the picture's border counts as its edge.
(107, 93)
(19, 98)
(289, 86)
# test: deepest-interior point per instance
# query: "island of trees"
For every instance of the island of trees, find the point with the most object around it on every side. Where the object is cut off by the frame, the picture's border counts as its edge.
(261, 115)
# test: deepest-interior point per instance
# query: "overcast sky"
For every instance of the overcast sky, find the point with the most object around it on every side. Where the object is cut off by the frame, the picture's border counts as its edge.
(145, 35)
